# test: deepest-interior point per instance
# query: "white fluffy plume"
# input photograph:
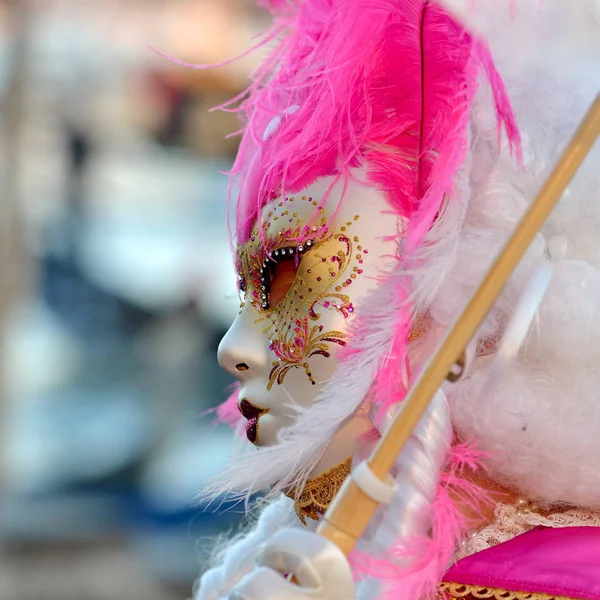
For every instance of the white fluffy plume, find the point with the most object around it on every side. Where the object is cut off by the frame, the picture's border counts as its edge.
(539, 420)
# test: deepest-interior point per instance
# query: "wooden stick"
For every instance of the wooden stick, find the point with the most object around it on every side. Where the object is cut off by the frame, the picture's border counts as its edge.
(348, 516)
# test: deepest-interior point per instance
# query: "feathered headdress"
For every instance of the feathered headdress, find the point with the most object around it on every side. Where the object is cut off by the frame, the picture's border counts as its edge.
(402, 90)
(386, 85)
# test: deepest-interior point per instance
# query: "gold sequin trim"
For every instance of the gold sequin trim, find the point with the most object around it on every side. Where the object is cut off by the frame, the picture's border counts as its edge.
(454, 591)
(318, 493)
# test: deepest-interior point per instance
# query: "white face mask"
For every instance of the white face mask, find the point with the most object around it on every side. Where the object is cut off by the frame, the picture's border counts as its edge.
(297, 312)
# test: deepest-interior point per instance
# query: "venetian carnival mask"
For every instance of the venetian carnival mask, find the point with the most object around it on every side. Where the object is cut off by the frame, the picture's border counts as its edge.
(303, 274)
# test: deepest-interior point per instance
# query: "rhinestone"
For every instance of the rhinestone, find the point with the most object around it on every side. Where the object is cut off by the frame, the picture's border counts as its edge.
(300, 248)
(291, 251)
(264, 296)
(263, 288)
(263, 279)
(276, 253)
(315, 228)
(309, 242)
(265, 305)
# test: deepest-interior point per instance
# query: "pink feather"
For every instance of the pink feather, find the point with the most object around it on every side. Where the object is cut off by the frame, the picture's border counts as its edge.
(414, 568)
(228, 412)
(388, 83)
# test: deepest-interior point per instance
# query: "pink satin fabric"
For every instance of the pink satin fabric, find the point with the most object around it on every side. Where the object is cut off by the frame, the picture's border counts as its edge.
(558, 562)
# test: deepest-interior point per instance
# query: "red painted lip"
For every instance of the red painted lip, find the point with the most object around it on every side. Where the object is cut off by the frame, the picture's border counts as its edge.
(253, 413)
(252, 430)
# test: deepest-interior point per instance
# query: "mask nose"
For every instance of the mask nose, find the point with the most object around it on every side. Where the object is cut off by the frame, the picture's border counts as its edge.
(243, 351)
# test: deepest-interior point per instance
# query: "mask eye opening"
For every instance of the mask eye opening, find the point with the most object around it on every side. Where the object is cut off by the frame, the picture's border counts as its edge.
(268, 268)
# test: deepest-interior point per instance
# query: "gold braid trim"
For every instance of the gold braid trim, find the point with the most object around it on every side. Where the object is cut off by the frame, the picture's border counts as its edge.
(319, 492)
(453, 591)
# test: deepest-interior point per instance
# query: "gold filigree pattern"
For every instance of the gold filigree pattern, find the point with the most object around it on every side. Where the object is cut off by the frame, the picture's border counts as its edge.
(326, 262)
(453, 591)
(257, 258)
(294, 350)
(319, 492)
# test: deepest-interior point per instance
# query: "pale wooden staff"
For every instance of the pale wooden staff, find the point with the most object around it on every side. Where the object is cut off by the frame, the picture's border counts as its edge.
(348, 516)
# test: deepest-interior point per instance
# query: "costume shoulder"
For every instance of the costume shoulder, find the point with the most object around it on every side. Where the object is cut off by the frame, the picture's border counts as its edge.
(545, 563)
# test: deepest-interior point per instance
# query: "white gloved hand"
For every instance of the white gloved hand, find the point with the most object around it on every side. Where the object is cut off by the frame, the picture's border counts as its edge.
(320, 568)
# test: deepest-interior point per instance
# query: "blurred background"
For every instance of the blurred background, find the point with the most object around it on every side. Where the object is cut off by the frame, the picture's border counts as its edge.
(115, 288)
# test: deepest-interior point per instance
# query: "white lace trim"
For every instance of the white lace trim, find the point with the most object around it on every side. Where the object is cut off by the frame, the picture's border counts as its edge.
(512, 520)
